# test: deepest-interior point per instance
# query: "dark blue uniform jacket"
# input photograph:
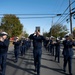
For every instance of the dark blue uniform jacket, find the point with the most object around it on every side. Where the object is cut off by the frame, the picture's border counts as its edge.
(68, 50)
(4, 46)
(37, 41)
(16, 44)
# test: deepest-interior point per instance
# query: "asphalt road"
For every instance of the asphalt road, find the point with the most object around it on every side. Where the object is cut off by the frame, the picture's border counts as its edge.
(25, 65)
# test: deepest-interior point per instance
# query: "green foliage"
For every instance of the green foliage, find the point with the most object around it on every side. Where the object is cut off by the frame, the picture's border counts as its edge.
(11, 24)
(46, 34)
(74, 33)
(58, 30)
(25, 34)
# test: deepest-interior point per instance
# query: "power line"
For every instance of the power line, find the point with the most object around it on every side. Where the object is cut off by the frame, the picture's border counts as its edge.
(56, 3)
(61, 5)
(65, 11)
(32, 17)
(64, 18)
(31, 14)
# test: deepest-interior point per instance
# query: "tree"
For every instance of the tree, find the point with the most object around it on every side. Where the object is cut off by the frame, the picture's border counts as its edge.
(0, 27)
(58, 30)
(74, 32)
(11, 24)
(46, 34)
(25, 34)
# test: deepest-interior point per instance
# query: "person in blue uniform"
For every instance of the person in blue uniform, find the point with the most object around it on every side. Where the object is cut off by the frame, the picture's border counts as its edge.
(4, 43)
(37, 49)
(46, 44)
(68, 53)
(52, 45)
(16, 48)
(57, 50)
(23, 46)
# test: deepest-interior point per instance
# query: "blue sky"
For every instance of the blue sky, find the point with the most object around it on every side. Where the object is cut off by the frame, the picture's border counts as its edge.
(36, 7)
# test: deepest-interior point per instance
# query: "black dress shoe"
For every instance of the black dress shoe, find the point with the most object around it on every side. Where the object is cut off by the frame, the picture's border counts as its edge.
(0, 74)
(35, 69)
(38, 73)
(15, 61)
(70, 74)
(64, 70)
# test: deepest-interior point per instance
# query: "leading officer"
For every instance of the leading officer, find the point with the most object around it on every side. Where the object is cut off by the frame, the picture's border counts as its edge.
(37, 49)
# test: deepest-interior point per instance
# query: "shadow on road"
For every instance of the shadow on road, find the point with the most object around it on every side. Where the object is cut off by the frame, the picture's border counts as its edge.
(21, 68)
(26, 58)
(26, 61)
(48, 59)
(54, 69)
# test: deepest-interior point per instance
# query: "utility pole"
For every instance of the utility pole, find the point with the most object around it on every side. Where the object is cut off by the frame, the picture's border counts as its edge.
(70, 16)
(51, 25)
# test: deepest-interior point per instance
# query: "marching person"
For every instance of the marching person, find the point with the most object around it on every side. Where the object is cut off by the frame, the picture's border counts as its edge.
(68, 53)
(37, 49)
(23, 47)
(4, 43)
(57, 50)
(16, 48)
(52, 45)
